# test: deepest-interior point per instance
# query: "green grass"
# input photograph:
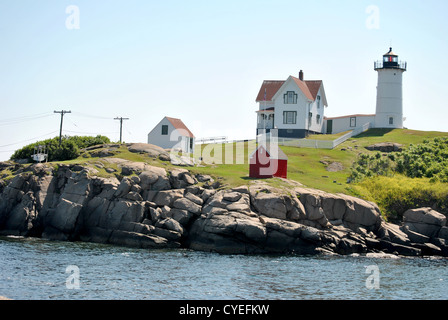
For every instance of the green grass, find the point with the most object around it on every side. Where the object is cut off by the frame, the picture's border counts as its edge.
(402, 136)
(304, 164)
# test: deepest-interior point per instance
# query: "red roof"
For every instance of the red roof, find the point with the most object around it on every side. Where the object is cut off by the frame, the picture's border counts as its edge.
(270, 87)
(276, 153)
(310, 88)
(178, 124)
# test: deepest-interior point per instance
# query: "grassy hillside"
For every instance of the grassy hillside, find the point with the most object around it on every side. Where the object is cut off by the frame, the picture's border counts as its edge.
(306, 165)
(322, 169)
(393, 194)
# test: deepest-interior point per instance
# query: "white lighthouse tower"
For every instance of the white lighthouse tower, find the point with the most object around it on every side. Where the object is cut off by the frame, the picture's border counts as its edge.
(389, 100)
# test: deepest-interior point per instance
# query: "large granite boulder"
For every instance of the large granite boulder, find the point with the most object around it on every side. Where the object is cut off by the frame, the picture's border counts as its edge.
(425, 221)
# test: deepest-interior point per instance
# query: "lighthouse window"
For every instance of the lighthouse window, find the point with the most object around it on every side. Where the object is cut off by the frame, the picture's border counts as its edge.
(391, 120)
(290, 97)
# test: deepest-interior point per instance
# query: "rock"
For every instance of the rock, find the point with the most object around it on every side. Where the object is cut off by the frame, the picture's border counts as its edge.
(360, 213)
(170, 224)
(395, 248)
(220, 224)
(156, 214)
(65, 215)
(150, 176)
(185, 204)
(123, 188)
(393, 233)
(22, 218)
(385, 147)
(270, 205)
(167, 197)
(193, 198)
(232, 196)
(181, 216)
(157, 209)
(425, 221)
(149, 149)
(129, 168)
(425, 216)
(443, 233)
(181, 178)
(137, 240)
(167, 234)
(414, 236)
(429, 249)
(335, 167)
(350, 246)
(204, 178)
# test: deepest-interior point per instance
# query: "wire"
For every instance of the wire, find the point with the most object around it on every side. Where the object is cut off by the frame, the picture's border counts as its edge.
(81, 114)
(11, 144)
(6, 122)
(89, 132)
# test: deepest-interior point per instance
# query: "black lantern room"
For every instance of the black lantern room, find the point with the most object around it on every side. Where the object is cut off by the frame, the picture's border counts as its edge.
(390, 61)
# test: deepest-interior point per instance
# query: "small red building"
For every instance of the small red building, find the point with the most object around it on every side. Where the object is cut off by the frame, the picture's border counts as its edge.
(266, 162)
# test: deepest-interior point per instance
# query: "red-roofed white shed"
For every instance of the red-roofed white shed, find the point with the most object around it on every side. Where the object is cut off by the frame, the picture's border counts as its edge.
(172, 133)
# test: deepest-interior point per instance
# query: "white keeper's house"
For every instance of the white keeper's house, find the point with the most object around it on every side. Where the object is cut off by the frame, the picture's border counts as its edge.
(296, 106)
(293, 106)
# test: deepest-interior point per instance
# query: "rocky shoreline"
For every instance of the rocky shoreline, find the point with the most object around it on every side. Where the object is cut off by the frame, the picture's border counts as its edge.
(151, 207)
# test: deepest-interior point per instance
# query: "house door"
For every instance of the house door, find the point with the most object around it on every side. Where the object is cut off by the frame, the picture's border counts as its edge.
(329, 126)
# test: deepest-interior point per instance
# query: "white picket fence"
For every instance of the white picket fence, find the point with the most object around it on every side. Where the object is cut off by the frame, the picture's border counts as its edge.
(322, 144)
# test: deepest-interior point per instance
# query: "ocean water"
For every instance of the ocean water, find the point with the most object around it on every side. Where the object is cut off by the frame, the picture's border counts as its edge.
(37, 269)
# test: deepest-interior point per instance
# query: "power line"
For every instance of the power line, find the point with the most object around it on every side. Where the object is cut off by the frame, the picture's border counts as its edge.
(82, 132)
(121, 125)
(11, 144)
(85, 115)
(11, 121)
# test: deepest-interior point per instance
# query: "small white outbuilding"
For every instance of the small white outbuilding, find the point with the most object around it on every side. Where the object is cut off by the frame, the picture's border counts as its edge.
(172, 133)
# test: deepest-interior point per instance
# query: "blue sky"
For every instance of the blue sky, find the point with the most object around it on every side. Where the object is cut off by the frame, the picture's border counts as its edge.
(204, 62)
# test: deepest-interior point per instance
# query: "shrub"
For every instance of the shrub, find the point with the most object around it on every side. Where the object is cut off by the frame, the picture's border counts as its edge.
(68, 150)
(426, 160)
(395, 195)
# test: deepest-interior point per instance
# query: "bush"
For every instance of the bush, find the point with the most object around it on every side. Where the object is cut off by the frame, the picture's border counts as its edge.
(396, 195)
(68, 150)
(426, 160)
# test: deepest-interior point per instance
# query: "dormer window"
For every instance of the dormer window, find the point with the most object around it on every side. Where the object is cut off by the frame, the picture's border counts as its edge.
(290, 97)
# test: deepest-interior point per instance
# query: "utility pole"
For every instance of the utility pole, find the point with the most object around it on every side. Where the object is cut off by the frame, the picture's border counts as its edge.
(121, 125)
(62, 112)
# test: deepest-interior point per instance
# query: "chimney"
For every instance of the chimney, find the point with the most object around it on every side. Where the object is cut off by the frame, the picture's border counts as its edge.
(301, 75)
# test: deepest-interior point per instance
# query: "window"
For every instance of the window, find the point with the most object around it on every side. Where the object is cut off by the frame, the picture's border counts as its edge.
(290, 97)
(352, 122)
(318, 119)
(289, 117)
(191, 144)
(318, 102)
(164, 130)
(391, 120)
(310, 117)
